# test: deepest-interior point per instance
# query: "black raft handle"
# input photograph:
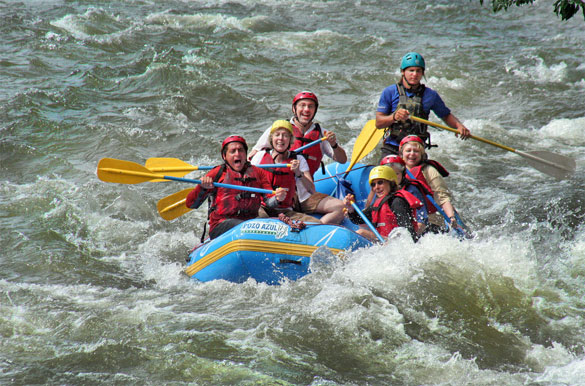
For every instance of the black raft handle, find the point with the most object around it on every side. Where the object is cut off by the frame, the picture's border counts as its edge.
(289, 261)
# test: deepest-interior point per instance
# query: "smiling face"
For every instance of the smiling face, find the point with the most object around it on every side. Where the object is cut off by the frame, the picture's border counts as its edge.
(413, 75)
(280, 139)
(412, 153)
(305, 110)
(380, 187)
(235, 156)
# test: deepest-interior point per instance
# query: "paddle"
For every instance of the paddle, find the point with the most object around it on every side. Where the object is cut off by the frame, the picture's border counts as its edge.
(555, 165)
(308, 145)
(126, 172)
(368, 139)
(368, 223)
(177, 168)
(173, 206)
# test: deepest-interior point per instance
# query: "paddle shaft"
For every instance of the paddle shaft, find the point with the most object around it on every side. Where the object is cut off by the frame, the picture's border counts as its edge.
(222, 185)
(157, 176)
(445, 127)
(368, 222)
(503, 147)
(191, 168)
(310, 144)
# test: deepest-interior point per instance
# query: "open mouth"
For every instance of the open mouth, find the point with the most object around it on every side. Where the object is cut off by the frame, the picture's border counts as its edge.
(305, 117)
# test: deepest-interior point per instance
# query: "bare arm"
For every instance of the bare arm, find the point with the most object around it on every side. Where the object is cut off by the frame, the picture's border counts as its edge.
(452, 121)
(339, 154)
(261, 144)
(383, 120)
(302, 173)
(307, 181)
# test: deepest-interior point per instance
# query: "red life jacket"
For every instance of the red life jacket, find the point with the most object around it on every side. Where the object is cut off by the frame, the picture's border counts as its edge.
(313, 155)
(419, 178)
(384, 220)
(232, 203)
(281, 178)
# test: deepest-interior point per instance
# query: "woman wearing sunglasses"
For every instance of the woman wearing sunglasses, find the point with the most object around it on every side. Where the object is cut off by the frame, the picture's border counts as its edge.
(392, 208)
(415, 187)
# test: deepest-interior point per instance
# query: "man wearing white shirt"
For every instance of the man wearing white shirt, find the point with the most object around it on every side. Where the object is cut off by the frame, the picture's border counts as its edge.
(305, 130)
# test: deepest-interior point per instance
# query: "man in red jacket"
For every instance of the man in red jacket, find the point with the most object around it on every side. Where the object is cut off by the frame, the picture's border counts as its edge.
(230, 207)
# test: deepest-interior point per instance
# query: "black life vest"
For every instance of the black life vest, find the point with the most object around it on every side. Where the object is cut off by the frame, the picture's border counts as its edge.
(401, 129)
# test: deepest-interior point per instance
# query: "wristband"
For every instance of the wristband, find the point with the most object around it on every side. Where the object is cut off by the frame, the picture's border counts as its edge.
(394, 116)
(335, 146)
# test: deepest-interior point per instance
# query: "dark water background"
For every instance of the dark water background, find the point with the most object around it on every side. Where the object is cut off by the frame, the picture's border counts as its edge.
(91, 283)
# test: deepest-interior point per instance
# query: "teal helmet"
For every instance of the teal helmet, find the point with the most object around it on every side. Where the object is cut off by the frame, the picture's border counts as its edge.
(412, 59)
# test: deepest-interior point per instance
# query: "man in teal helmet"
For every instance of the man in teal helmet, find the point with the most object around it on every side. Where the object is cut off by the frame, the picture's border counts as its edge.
(410, 96)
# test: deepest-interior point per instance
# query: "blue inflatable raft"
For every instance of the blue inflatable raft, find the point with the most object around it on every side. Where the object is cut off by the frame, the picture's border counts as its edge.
(335, 182)
(269, 251)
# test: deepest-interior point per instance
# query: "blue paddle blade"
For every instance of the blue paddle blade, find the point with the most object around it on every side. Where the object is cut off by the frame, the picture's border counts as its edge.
(459, 233)
(343, 188)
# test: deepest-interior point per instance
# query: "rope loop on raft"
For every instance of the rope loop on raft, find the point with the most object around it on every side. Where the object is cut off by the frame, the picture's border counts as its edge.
(296, 225)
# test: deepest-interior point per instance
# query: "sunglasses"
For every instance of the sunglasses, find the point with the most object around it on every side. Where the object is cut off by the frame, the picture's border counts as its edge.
(379, 182)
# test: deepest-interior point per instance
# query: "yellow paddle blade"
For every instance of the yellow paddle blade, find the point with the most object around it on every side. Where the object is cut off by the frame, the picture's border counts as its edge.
(173, 206)
(169, 166)
(367, 141)
(124, 172)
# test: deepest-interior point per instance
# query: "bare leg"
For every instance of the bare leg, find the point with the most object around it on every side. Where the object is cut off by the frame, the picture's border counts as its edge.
(368, 234)
(332, 210)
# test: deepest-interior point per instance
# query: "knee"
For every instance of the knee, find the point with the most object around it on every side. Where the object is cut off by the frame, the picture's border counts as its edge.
(333, 205)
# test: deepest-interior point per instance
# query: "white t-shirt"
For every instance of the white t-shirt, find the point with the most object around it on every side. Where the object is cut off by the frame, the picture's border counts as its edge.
(302, 192)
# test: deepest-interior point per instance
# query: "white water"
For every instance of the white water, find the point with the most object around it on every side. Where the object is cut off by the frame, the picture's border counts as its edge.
(92, 289)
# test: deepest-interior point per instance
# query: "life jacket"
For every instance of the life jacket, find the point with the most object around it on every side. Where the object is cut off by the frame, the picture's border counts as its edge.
(313, 155)
(401, 129)
(232, 203)
(416, 187)
(384, 220)
(281, 178)
(421, 182)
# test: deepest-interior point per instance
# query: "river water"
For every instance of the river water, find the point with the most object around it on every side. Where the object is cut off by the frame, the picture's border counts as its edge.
(91, 283)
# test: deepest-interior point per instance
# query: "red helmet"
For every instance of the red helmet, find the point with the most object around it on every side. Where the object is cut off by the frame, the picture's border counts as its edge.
(234, 138)
(390, 159)
(305, 95)
(411, 138)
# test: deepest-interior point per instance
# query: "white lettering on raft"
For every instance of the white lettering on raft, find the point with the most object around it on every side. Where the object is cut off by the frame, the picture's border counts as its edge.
(277, 230)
